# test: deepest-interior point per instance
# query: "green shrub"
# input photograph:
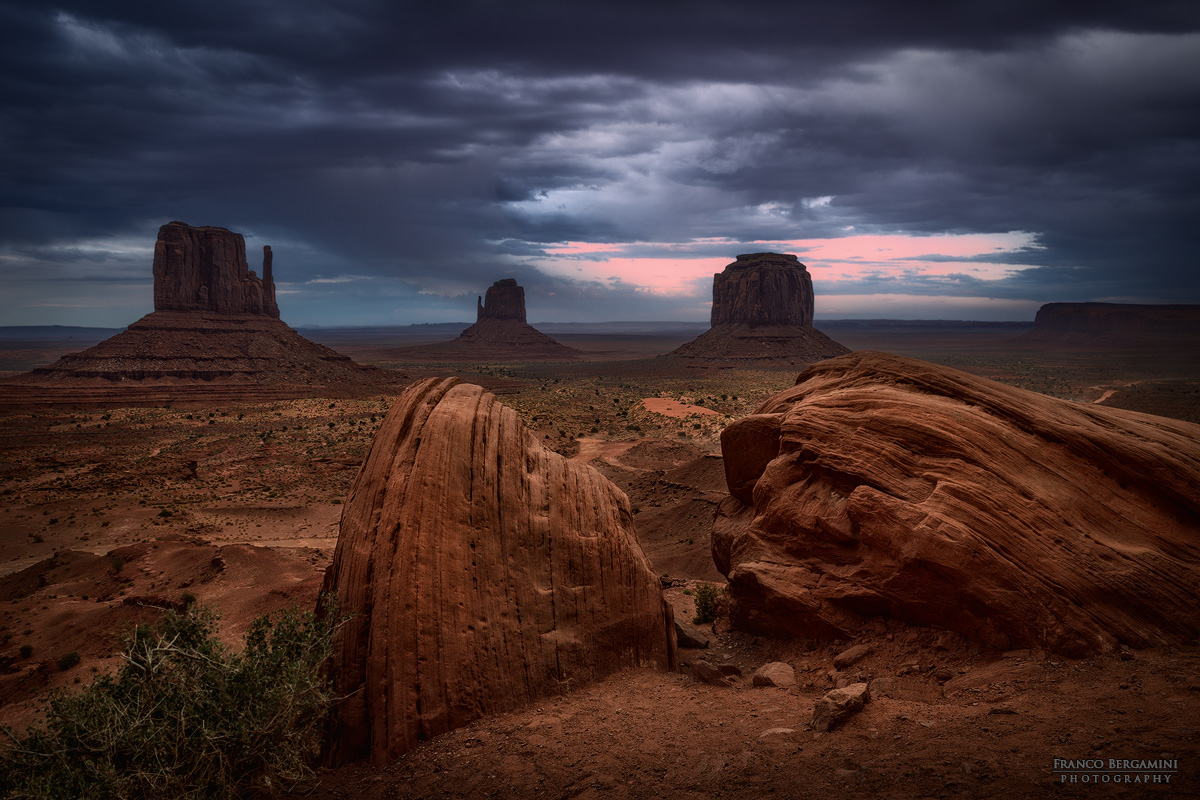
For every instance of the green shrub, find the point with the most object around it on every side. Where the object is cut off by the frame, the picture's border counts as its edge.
(185, 717)
(706, 602)
(68, 660)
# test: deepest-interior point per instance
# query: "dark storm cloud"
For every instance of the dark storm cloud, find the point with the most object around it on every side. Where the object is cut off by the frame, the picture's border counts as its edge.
(399, 157)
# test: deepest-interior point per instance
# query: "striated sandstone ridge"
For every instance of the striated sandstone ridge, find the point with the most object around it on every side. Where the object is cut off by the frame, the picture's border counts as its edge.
(500, 333)
(482, 571)
(204, 269)
(762, 315)
(215, 331)
(886, 486)
(1113, 324)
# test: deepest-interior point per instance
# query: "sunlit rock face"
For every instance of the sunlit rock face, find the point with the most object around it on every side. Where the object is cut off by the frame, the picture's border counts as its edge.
(886, 486)
(480, 571)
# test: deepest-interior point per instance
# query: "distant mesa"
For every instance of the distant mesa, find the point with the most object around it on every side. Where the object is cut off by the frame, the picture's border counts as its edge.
(500, 333)
(215, 325)
(480, 571)
(762, 315)
(883, 486)
(1113, 325)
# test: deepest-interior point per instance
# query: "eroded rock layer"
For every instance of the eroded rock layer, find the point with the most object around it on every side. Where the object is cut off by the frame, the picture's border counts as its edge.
(215, 331)
(500, 333)
(1114, 324)
(762, 316)
(172, 347)
(505, 300)
(482, 571)
(204, 269)
(886, 486)
(763, 289)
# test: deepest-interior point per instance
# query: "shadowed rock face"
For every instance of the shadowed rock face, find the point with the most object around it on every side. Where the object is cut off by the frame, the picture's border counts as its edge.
(763, 289)
(762, 316)
(882, 485)
(204, 269)
(1114, 324)
(499, 334)
(216, 328)
(482, 571)
(505, 300)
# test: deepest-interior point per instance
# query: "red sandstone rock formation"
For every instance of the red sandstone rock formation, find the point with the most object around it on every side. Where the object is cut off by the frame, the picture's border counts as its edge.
(500, 333)
(886, 486)
(505, 300)
(1113, 324)
(762, 314)
(482, 571)
(215, 349)
(215, 329)
(204, 269)
(763, 289)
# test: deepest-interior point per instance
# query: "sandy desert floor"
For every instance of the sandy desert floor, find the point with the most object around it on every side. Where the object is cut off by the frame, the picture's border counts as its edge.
(111, 513)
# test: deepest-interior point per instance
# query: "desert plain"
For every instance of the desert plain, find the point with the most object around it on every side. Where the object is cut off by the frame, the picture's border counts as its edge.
(112, 511)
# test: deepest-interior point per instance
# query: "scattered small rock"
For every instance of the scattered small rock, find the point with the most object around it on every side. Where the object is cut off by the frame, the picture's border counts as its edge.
(943, 674)
(776, 732)
(839, 705)
(776, 673)
(707, 673)
(688, 635)
(848, 658)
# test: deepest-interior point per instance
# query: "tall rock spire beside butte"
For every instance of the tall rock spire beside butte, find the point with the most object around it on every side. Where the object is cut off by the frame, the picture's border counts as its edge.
(505, 300)
(204, 269)
(215, 331)
(762, 315)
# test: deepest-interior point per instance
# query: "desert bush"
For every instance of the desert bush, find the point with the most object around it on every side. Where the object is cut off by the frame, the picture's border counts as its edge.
(185, 717)
(26, 650)
(706, 602)
(68, 660)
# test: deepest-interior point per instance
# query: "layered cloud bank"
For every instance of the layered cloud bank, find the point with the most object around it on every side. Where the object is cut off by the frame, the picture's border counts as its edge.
(609, 155)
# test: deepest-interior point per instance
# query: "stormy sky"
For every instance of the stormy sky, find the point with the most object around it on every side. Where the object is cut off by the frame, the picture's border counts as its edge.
(971, 160)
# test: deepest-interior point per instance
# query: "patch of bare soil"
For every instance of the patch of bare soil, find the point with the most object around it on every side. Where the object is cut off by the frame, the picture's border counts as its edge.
(945, 720)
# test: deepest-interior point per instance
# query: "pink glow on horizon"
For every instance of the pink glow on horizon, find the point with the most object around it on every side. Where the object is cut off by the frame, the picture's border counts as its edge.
(674, 272)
